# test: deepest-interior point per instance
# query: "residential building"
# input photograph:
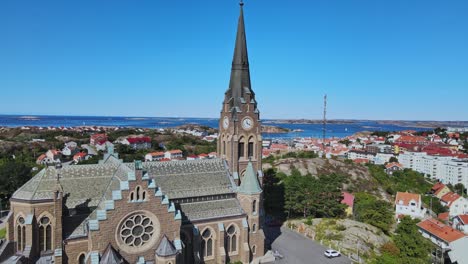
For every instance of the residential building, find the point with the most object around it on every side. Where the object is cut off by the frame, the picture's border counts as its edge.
(154, 156)
(358, 154)
(379, 148)
(439, 234)
(409, 204)
(80, 156)
(460, 222)
(98, 141)
(458, 253)
(54, 155)
(70, 148)
(135, 142)
(382, 158)
(390, 168)
(439, 189)
(457, 204)
(173, 154)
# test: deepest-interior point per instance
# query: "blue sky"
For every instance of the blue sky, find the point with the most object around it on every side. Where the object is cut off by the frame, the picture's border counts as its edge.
(394, 59)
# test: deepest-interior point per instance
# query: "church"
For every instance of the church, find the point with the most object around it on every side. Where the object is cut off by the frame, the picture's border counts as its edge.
(174, 212)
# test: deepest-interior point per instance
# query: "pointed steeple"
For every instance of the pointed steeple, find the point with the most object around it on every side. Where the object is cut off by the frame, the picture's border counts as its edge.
(239, 83)
(250, 184)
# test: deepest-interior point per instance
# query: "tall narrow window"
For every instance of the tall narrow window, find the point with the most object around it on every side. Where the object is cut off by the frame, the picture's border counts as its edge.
(254, 206)
(250, 149)
(224, 147)
(254, 250)
(45, 234)
(231, 243)
(241, 149)
(207, 243)
(20, 234)
(254, 228)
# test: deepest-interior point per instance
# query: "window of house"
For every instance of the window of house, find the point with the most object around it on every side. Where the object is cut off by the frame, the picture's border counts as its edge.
(254, 206)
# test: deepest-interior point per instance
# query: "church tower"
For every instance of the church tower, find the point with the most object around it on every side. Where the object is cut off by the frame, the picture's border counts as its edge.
(240, 139)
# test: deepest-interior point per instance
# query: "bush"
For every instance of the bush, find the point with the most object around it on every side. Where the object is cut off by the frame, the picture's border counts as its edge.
(2, 233)
(340, 227)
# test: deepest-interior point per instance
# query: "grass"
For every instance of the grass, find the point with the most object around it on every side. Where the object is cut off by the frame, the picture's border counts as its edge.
(2, 233)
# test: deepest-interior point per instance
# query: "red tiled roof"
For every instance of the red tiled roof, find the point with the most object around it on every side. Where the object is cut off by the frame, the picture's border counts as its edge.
(361, 160)
(138, 140)
(175, 151)
(463, 218)
(440, 230)
(449, 198)
(348, 199)
(41, 157)
(157, 154)
(406, 197)
(389, 165)
(437, 186)
(443, 216)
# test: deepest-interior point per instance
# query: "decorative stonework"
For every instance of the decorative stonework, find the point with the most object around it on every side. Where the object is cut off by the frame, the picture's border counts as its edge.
(137, 232)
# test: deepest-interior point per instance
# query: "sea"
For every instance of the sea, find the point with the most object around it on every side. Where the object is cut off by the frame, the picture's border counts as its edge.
(298, 130)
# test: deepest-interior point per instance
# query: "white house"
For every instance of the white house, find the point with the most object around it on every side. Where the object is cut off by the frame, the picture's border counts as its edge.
(409, 204)
(70, 148)
(457, 204)
(460, 222)
(154, 156)
(173, 154)
(440, 234)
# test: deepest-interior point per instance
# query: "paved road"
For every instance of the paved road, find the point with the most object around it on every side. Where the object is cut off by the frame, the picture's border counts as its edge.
(298, 249)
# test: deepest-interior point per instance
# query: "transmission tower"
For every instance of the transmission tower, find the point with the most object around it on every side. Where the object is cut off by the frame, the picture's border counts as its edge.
(324, 128)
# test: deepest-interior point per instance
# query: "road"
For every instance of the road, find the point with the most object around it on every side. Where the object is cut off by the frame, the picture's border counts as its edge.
(297, 249)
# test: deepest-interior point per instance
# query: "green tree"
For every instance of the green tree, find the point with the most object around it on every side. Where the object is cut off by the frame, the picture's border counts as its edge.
(13, 174)
(370, 210)
(393, 159)
(414, 248)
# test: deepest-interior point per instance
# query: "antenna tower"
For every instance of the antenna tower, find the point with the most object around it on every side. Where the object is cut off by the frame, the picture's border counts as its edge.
(324, 128)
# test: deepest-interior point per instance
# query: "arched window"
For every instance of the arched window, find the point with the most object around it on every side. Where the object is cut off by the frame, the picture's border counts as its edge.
(82, 259)
(224, 147)
(137, 192)
(231, 239)
(137, 195)
(254, 206)
(207, 243)
(45, 234)
(250, 147)
(254, 250)
(21, 234)
(254, 228)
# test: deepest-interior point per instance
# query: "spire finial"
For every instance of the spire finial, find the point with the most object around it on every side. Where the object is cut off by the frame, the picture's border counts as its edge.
(241, 3)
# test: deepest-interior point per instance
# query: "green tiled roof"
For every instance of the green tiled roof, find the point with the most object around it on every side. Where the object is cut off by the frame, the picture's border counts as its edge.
(249, 184)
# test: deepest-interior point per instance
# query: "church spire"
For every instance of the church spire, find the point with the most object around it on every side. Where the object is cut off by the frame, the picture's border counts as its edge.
(239, 83)
(249, 184)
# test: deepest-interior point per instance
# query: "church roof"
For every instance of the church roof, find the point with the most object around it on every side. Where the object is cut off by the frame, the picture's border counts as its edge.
(166, 248)
(250, 184)
(211, 209)
(110, 256)
(89, 187)
(239, 83)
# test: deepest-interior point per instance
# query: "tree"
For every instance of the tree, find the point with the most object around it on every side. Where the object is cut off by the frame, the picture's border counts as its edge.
(393, 159)
(414, 248)
(460, 188)
(13, 174)
(370, 210)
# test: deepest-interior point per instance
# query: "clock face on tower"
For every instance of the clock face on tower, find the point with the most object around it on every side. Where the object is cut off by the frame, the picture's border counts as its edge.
(247, 123)
(225, 122)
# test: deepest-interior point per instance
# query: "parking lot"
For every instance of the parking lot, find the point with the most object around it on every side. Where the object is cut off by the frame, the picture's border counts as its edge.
(297, 249)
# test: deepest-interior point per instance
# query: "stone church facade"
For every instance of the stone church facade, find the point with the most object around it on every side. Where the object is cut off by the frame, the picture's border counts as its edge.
(199, 211)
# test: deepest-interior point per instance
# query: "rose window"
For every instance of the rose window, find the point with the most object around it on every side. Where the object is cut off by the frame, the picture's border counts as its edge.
(137, 230)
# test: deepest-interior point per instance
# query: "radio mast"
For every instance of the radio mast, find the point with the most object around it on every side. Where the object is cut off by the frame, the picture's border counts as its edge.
(324, 128)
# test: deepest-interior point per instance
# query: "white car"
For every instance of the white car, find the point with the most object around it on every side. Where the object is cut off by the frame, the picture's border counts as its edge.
(330, 253)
